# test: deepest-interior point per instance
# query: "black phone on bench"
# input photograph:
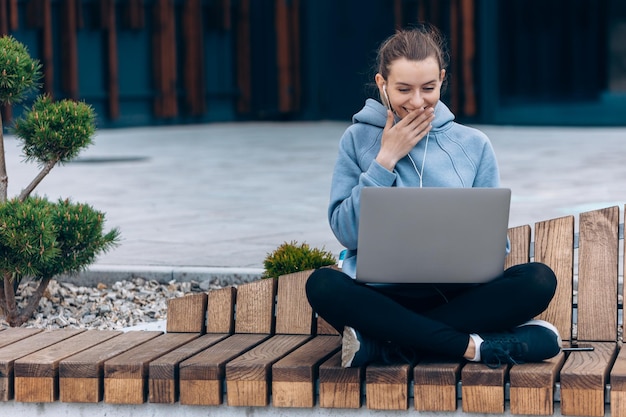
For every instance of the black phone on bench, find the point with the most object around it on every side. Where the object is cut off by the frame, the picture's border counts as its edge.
(578, 347)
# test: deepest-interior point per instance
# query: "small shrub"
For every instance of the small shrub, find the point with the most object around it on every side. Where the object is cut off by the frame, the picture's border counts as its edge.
(55, 131)
(20, 73)
(291, 257)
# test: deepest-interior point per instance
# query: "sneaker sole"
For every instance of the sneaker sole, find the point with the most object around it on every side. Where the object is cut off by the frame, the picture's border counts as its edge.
(547, 325)
(350, 345)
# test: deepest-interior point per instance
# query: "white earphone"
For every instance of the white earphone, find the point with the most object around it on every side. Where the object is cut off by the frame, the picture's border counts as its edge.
(387, 96)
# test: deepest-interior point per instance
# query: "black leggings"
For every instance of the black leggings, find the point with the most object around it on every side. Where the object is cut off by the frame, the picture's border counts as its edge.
(432, 318)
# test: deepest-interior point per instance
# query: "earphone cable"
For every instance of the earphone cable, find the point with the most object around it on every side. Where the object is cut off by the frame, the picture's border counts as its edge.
(420, 174)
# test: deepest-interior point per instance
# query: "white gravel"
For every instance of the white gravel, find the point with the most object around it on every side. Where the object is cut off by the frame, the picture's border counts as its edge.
(118, 306)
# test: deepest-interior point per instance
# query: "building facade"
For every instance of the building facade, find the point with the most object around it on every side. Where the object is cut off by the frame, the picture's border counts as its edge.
(151, 62)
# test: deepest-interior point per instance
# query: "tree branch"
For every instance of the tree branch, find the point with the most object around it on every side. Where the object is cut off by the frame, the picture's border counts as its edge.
(35, 182)
(4, 179)
(9, 297)
(33, 302)
(2, 302)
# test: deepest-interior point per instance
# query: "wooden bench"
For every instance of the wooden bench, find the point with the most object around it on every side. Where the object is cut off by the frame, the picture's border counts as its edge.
(261, 345)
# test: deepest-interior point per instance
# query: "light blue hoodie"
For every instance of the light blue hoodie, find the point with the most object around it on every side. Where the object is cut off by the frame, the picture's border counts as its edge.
(456, 156)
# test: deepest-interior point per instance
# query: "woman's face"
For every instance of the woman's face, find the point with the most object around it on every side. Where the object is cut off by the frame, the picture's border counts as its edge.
(412, 84)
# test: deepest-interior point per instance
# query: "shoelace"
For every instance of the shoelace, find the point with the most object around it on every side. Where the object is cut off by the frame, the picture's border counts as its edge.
(502, 355)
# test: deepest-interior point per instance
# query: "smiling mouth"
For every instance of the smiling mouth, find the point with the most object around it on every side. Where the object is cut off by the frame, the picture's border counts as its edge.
(409, 110)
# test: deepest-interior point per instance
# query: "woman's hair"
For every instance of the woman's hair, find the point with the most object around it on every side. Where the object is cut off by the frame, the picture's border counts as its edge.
(415, 44)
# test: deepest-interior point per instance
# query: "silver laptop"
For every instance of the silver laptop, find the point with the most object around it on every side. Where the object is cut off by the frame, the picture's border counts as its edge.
(432, 235)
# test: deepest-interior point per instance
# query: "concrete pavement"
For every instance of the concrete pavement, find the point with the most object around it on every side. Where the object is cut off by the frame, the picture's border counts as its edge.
(212, 200)
(216, 198)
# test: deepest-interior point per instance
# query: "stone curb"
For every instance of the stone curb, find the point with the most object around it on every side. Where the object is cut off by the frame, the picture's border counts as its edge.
(109, 274)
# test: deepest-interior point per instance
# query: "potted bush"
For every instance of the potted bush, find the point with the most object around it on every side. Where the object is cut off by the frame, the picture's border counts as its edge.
(293, 257)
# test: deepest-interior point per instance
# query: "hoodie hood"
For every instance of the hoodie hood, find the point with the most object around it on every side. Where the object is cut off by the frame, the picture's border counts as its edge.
(375, 114)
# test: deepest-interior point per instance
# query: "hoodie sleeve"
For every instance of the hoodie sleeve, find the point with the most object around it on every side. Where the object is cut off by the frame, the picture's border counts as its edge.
(349, 178)
(487, 174)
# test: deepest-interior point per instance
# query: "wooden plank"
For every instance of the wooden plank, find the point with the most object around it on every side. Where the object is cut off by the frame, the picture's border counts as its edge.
(295, 376)
(36, 375)
(618, 374)
(434, 386)
(455, 69)
(468, 52)
(248, 376)
(284, 56)
(4, 18)
(107, 10)
(225, 7)
(80, 20)
(520, 246)
(201, 376)
(14, 334)
(583, 379)
(244, 57)
(296, 70)
(69, 52)
(47, 53)
(34, 14)
(554, 246)
(387, 386)
(255, 307)
(126, 375)
(339, 387)
(398, 12)
(221, 310)
(164, 57)
(81, 376)
(532, 386)
(324, 328)
(294, 314)
(187, 314)
(9, 354)
(157, 58)
(163, 372)
(483, 388)
(618, 385)
(193, 70)
(13, 15)
(598, 275)
(134, 18)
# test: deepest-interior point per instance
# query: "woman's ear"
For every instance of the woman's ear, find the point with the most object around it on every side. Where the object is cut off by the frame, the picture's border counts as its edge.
(382, 90)
(442, 75)
(380, 80)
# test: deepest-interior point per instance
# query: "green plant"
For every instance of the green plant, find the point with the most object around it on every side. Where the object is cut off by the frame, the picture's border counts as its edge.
(54, 133)
(40, 239)
(292, 257)
(19, 74)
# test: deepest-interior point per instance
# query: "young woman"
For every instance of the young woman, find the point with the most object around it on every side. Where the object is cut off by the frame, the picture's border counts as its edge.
(412, 140)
